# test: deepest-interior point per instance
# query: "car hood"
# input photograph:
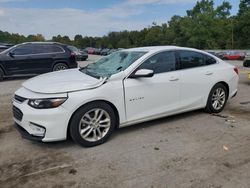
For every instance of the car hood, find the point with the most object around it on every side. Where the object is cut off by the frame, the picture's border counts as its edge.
(62, 81)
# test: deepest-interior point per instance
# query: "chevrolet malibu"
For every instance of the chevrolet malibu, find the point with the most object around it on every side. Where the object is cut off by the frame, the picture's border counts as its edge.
(127, 87)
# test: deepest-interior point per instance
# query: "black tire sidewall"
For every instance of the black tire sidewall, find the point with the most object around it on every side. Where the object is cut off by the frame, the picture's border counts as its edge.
(209, 106)
(74, 124)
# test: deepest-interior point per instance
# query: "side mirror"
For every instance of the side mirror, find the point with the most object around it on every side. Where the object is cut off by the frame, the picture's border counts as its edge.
(143, 73)
(11, 54)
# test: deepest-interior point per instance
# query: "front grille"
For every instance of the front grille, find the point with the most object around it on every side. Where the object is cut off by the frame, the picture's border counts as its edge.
(19, 98)
(17, 113)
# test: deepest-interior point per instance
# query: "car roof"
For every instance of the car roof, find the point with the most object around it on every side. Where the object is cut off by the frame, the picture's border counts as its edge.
(161, 48)
(43, 43)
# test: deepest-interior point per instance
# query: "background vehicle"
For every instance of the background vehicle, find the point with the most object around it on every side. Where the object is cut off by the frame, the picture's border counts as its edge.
(35, 58)
(112, 51)
(2, 48)
(90, 50)
(233, 56)
(246, 62)
(80, 55)
(104, 51)
(5, 46)
(124, 88)
(97, 51)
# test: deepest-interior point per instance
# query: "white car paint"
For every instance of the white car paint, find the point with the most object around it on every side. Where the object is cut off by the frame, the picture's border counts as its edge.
(136, 100)
(59, 82)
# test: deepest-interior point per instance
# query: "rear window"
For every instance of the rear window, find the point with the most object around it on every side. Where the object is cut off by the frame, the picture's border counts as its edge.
(55, 48)
(190, 59)
(73, 48)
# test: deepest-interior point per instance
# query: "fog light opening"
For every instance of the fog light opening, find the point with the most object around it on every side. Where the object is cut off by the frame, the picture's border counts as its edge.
(37, 130)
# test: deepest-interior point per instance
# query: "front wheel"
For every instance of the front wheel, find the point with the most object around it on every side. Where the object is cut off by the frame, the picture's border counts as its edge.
(217, 99)
(92, 124)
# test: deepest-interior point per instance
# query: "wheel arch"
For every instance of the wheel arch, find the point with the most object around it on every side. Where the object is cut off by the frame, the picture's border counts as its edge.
(94, 101)
(226, 85)
(223, 83)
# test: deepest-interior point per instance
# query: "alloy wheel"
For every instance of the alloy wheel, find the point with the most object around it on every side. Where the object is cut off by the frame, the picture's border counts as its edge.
(60, 67)
(218, 98)
(94, 125)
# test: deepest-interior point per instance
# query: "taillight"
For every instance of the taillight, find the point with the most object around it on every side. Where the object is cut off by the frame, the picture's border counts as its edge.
(236, 70)
(73, 54)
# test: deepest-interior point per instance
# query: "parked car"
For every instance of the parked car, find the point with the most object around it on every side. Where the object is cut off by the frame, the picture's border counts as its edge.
(124, 88)
(2, 48)
(90, 50)
(233, 56)
(246, 62)
(35, 58)
(97, 51)
(213, 53)
(105, 51)
(80, 55)
(112, 51)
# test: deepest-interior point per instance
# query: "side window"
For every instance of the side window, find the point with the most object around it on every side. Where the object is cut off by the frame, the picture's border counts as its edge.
(22, 50)
(56, 49)
(41, 49)
(190, 59)
(161, 62)
(210, 60)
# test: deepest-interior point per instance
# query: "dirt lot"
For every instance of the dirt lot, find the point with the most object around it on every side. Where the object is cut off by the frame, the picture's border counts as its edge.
(190, 150)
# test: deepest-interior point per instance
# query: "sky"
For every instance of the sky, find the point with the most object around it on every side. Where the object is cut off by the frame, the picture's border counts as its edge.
(89, 17)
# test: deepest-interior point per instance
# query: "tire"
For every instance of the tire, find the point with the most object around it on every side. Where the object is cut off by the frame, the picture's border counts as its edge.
(246, 64)
(60, 66)
(1, 74)
(87, 120)
(218, 93)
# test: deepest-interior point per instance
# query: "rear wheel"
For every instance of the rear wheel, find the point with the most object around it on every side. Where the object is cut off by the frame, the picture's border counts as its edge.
(92, 124)
(217, 99)
(1, 74)
(60, 66)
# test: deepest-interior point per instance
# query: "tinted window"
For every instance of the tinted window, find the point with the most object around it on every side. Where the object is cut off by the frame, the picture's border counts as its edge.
(189, 59)
(44, 49)
(209, 60)
(22, 50)
(41, 49)
(161, 62)
(56, 49)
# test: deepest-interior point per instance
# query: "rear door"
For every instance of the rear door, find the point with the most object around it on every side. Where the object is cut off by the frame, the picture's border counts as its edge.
(196, 76)
(157, 95)
(42, 58)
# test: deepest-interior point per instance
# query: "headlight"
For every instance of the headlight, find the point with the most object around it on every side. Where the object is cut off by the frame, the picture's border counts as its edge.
(46, 103)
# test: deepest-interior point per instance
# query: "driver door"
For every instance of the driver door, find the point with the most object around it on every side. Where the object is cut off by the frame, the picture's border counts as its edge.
(18, 60)
(157, 95)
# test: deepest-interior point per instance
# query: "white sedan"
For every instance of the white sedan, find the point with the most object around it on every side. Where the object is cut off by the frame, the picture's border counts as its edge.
(124, 88)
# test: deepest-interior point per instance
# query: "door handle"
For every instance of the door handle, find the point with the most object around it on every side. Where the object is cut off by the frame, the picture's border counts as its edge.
(173, 79)
(208, 73)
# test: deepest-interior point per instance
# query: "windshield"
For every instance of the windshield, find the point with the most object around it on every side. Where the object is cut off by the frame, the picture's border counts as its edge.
(112, 64)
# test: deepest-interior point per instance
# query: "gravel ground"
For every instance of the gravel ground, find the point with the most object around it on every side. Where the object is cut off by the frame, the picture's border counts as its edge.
(194, 149)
